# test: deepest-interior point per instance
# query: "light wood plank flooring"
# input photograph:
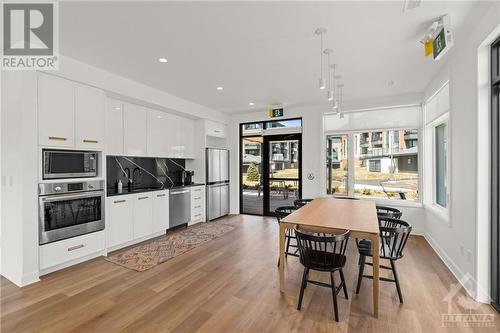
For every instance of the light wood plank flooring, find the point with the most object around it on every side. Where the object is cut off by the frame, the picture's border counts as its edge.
(231, 285)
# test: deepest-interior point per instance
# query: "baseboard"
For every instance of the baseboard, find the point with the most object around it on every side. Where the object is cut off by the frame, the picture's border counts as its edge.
(30, 278)
(451, 265)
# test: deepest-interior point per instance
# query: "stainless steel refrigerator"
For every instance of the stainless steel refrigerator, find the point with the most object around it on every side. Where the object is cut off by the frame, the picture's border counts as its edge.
(217, 182)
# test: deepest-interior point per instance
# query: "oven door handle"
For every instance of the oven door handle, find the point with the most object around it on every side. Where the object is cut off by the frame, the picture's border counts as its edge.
(72, 196)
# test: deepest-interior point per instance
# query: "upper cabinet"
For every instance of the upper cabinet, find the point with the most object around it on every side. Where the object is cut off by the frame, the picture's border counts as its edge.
(215, 129)
(135, 130)
(89, 117)
(179, 132)
(157, 143)
(55, 112)
(69, 114)
(114, 127)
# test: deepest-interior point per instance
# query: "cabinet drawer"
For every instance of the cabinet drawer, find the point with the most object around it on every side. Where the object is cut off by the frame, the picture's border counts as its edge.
(197, 192)
(197, 215)
(70, 249)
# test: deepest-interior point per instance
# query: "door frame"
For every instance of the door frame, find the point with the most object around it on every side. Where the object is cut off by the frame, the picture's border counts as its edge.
(266, 162)
(240, 158)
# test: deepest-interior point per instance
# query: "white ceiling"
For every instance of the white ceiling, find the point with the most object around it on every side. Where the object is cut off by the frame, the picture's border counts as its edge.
(261, 52)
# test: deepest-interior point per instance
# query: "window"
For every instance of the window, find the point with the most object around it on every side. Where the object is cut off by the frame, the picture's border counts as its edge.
(336, 164)
(441, 164)
(386, 165)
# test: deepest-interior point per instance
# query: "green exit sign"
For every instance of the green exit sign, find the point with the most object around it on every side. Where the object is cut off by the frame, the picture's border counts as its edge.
(274, 113)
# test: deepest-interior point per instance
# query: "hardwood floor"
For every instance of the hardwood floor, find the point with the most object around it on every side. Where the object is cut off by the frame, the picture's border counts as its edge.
(231, 284)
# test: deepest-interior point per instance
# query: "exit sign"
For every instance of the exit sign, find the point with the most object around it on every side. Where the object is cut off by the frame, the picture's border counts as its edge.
(274, 113)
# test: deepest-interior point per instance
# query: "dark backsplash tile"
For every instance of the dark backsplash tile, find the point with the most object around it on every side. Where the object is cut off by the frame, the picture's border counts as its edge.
(114, 172)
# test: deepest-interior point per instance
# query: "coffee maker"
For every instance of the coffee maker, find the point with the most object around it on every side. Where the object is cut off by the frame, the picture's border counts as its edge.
(185, 177)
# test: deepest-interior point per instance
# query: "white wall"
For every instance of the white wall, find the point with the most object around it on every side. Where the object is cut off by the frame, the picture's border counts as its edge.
(461, 69)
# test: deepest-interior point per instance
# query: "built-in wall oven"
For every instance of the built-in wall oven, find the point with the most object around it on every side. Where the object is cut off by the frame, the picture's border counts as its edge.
(70, 209)
(59, 164)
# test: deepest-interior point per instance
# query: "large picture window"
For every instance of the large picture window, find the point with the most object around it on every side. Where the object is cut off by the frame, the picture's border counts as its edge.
(386, 164)
(441, 164)
(336, 164)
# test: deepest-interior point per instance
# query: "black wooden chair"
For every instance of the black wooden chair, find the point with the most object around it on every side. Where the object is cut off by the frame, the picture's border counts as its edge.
(325, 254)
(281, 213)
(301, 202)
(385, 211)
(393, 236)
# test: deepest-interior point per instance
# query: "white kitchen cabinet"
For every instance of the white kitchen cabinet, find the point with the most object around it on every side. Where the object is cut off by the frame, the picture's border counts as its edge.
(89, 117)
(55, 111)
(143, 214)
(157, 143)
(114, 127)
(198, 204)
(179, 136)
(215, 129)
(58, 254)
(119, 220)
(160, 211)
(187, 137)
(135, 130)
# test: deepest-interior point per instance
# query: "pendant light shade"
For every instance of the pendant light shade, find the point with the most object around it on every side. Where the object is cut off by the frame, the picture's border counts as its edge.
(322, 82)
(330, 95)
(335, 104)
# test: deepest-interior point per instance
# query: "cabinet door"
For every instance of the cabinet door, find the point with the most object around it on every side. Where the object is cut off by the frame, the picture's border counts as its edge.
(143, 215)
(216, 129)
(173, 136)
(119, 220)
(89, 117)
(114, 127)
(213, 202)
(55, 112)
(157, 146)
(160, 211)
(224, 200)
(135, 130)
(187, 137)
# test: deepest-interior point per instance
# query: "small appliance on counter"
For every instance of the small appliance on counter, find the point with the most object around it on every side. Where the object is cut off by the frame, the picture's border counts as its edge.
(70, 209)
(218, 183)
(184, 177)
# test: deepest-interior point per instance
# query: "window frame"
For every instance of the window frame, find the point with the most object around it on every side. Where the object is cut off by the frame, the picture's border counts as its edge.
(444, 119)
(351, 171)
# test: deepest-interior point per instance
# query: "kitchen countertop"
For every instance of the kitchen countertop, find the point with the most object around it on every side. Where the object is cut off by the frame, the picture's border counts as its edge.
(111, 192)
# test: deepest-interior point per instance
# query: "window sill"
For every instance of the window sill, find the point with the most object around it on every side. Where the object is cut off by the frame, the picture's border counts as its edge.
(394, 203)
(440, 212)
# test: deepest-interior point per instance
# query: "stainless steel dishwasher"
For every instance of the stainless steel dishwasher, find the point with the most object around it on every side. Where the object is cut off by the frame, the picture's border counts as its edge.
(179, 207)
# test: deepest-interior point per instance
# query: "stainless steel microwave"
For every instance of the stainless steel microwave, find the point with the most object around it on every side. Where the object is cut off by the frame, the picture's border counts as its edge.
(59, 164)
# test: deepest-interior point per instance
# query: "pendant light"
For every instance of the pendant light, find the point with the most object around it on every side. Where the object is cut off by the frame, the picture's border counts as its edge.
(322, 82)
(335, 103)
(330, 89)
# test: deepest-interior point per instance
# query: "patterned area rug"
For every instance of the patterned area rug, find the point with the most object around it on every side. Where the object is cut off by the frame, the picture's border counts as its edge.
(147, 255)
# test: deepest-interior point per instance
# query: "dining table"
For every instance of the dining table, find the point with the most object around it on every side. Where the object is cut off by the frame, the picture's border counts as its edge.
(330, 215)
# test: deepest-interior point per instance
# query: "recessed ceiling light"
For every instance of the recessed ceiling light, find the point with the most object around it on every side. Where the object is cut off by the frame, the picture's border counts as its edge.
(163, 60)
(220, 88)
(251, 103)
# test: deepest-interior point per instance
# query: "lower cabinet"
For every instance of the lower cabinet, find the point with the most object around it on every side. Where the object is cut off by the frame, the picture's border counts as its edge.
(160, 211)
(143, 215)
(132, 217)
(119, 220)
(198, 204)
(60, 254)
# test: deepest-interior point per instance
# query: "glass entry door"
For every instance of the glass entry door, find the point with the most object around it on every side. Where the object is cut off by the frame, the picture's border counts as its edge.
(282, 171)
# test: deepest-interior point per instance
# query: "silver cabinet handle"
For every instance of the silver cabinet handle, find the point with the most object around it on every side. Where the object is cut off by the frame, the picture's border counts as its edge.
(197, 215)
(180, 192)
(217, 131)
(160, 195)
(59, 138)
(142, 198)
(75, 247)
(197, 206)
(119, 201)
(197, 198)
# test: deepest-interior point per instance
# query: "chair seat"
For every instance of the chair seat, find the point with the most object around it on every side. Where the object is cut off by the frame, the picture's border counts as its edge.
(365, 249)
(321, 261)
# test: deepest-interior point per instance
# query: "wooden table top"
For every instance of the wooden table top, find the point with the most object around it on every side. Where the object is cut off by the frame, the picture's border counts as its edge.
(355, 215)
